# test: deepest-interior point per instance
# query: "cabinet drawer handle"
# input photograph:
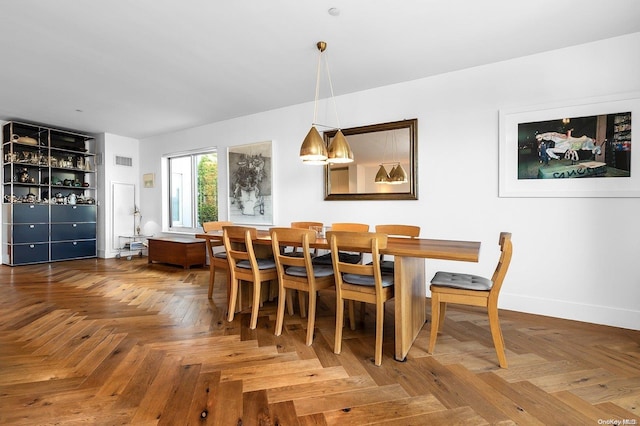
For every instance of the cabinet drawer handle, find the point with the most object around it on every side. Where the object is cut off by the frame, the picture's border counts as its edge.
(31, 206)
(74, 207)
(31, 246)
(74, 225)
(32, 226)
(75, 243)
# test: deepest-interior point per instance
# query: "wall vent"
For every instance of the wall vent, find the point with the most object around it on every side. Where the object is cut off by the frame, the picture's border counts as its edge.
(124, 161)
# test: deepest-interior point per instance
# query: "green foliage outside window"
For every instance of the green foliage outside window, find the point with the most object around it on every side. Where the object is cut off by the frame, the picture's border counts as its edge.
(207, 188)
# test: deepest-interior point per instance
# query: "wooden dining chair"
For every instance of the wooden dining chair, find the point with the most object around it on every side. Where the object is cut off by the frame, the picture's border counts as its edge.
(407, 231)
(245, 266)
(474, 290)
(306, 225)
(346, 256)
(217, 259)
(360, 283)
(298, 273)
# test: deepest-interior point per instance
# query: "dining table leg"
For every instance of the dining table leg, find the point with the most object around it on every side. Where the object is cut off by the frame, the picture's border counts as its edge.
(410, 302)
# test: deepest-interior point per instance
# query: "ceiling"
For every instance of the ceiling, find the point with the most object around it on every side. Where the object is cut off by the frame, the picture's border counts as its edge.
(139, 68)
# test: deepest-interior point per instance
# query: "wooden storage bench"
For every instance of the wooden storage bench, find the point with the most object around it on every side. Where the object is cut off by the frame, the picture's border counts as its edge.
(182, 251)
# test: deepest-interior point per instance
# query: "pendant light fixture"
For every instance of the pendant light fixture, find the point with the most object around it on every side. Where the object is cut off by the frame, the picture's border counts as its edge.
(397, 175)
(382, 176)
(313, 149)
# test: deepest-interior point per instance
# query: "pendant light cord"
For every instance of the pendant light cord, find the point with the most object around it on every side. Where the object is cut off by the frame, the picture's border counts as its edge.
(317, 95)
(333, 98)
(315, 103)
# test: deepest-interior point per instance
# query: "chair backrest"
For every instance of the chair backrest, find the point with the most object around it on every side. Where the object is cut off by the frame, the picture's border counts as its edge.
(285, 237)
(351, 227)
(371, 242)
(238, 242)
(306, 225)
(506, 249)
(215, 226)
(399, 230)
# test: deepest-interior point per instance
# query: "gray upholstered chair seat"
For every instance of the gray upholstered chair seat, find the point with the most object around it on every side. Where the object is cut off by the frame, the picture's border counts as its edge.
(220, 255)
(318, 271)
(386, 266)
(262, 264)
(463, 281)
(387, 279)
(325, 259)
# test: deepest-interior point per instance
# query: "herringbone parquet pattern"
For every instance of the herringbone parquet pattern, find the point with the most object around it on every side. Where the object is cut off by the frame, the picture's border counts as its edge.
(121, 342)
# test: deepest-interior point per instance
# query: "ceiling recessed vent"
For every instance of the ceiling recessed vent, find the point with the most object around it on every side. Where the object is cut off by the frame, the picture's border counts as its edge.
(124, 161)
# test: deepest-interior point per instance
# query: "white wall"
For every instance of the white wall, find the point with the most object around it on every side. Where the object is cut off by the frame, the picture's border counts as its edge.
(110, 146)
(573, 258)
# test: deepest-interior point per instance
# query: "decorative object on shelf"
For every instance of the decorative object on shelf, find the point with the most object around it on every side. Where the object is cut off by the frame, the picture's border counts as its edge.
(313, 149)
(24, 139)
(23, 176)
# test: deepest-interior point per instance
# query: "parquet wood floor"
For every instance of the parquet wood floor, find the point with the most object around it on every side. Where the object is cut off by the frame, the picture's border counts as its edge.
(112, 342)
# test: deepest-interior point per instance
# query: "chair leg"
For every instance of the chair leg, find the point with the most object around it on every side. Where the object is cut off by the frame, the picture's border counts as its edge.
(352, 314)
(290, 301)
(212, 277)
(496, 333)
(302, 303)
(435, 321)
(311, 321)
(337, 347)
(280, 313)
(255, 306)
(233, 299)
(443, 311)
(379, 332)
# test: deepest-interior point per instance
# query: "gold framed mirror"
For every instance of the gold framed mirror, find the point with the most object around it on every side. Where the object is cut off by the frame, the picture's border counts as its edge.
(377, 149)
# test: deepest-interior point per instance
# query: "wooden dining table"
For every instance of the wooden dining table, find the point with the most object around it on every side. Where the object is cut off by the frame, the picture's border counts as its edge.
(410, 284)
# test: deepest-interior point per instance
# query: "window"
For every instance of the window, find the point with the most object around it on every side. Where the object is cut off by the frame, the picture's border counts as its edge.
(193, 190)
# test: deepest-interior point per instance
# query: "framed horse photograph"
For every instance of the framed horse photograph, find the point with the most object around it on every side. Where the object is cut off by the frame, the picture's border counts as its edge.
(582, 148)
(250, 169)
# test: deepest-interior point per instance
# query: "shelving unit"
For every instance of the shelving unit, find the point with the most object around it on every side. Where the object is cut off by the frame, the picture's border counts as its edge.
(621, 141)
(49, 189)
(131, 245)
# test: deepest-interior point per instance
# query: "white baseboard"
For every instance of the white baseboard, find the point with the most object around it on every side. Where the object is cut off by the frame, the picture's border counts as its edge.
(604, 315)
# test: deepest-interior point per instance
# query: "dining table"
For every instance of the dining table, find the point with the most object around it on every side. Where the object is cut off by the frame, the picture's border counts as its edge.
(410, 285)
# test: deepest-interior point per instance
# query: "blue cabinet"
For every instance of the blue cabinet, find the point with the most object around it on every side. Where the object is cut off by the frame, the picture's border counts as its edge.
(73, 231)
(73, 213)
(30, 213)
(73, 250)
(29, 253)
(29, 233)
